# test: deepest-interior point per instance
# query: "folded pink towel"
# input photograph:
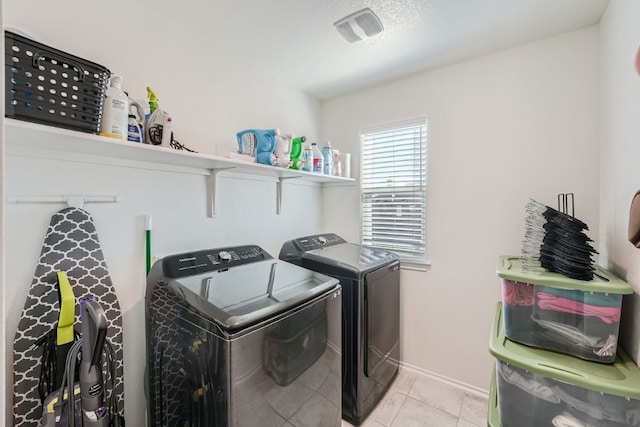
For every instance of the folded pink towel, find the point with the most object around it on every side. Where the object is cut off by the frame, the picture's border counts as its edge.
(517, 293)
(551, 302)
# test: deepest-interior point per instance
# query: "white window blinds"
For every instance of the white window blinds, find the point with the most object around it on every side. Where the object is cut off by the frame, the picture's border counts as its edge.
(393, 188)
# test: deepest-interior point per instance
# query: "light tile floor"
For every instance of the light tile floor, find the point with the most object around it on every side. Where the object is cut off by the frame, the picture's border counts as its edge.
(418, 401)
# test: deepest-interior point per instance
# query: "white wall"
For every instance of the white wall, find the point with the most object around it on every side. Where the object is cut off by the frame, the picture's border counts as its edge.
(211, 95)
(205, 84)
(518, 124)
(620, 151)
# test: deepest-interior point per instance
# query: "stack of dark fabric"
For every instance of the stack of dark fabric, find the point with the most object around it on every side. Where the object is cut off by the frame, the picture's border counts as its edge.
(556, 241)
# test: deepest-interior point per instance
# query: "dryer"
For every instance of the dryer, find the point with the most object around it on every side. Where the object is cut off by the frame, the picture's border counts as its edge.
(238, 338)
(370, 280)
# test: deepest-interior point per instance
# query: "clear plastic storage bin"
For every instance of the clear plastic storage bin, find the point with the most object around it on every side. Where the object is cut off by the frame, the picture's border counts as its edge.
(553, 312)
(537, 388)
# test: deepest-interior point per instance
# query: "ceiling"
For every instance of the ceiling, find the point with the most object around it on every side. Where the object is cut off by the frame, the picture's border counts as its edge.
(296, 41)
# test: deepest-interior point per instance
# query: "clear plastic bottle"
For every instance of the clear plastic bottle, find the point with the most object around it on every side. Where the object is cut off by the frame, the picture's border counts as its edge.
(337, 163)
(327, 155)
(318, 160)
(307, 160)
(115, 114)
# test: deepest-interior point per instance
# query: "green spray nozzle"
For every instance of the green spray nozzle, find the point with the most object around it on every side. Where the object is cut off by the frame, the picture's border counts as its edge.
(300, 139)
(153, 99)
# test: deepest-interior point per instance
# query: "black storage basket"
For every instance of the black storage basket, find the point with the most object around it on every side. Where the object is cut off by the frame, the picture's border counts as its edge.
(48, 86)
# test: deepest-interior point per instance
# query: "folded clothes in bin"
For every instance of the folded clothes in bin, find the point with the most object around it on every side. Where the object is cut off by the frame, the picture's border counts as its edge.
(551, 311)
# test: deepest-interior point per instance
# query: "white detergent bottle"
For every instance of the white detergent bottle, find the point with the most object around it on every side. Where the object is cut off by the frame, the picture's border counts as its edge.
(318, 160)
(115, 114)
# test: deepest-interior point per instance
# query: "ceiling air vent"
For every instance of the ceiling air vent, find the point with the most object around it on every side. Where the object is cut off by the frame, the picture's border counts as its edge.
(359, 25)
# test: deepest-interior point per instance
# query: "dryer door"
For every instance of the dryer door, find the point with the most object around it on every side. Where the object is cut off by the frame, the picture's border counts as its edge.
(381, 315)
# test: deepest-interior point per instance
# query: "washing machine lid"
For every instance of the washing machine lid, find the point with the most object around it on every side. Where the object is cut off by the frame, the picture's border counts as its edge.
(351, 257)
(246, 294)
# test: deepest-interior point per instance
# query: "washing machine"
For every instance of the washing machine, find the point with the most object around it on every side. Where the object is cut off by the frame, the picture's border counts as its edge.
(370, 280)
(238, 338)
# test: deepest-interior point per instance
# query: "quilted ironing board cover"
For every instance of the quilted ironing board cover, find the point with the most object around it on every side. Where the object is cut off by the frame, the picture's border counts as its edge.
(70, 245)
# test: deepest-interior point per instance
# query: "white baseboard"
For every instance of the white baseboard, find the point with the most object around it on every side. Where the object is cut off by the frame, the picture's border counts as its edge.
(462, 386)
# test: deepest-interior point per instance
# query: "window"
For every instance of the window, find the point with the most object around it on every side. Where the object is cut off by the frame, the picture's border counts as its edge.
(393, 189)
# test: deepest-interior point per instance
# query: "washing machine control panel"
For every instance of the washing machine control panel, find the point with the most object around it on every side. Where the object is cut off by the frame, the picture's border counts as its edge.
(318, 241)
(239, 255)
(203, 261)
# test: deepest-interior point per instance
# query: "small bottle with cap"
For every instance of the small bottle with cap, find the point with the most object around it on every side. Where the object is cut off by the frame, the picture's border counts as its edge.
(306, 163)
(327, 156)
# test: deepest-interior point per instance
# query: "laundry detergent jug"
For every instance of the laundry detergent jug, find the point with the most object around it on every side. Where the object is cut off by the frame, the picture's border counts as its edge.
(282, 153)
(265, 143)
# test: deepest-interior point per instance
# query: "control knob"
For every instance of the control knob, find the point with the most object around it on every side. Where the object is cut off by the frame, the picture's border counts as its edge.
(224, 256)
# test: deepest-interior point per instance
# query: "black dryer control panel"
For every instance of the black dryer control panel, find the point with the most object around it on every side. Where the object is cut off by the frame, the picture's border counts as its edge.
(318, 241)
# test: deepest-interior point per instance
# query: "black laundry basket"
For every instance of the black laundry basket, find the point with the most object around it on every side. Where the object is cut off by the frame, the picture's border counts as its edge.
(51, 87)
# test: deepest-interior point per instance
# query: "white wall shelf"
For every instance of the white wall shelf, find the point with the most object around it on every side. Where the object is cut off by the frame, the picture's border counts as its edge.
(34, 140)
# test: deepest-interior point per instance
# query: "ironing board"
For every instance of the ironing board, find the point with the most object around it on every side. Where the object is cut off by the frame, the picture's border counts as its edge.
(70, 245)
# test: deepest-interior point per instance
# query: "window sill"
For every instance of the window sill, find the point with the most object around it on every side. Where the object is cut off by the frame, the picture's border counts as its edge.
(414, 266)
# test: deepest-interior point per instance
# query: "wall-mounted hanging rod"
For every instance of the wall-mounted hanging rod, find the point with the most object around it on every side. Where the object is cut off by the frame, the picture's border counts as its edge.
(73, 201)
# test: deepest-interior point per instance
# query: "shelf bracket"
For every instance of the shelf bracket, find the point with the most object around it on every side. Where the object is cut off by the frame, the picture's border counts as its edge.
(212, 186)
(281, 180)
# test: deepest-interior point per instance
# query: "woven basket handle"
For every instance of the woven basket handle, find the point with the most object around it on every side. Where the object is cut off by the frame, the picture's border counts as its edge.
(39, 57)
